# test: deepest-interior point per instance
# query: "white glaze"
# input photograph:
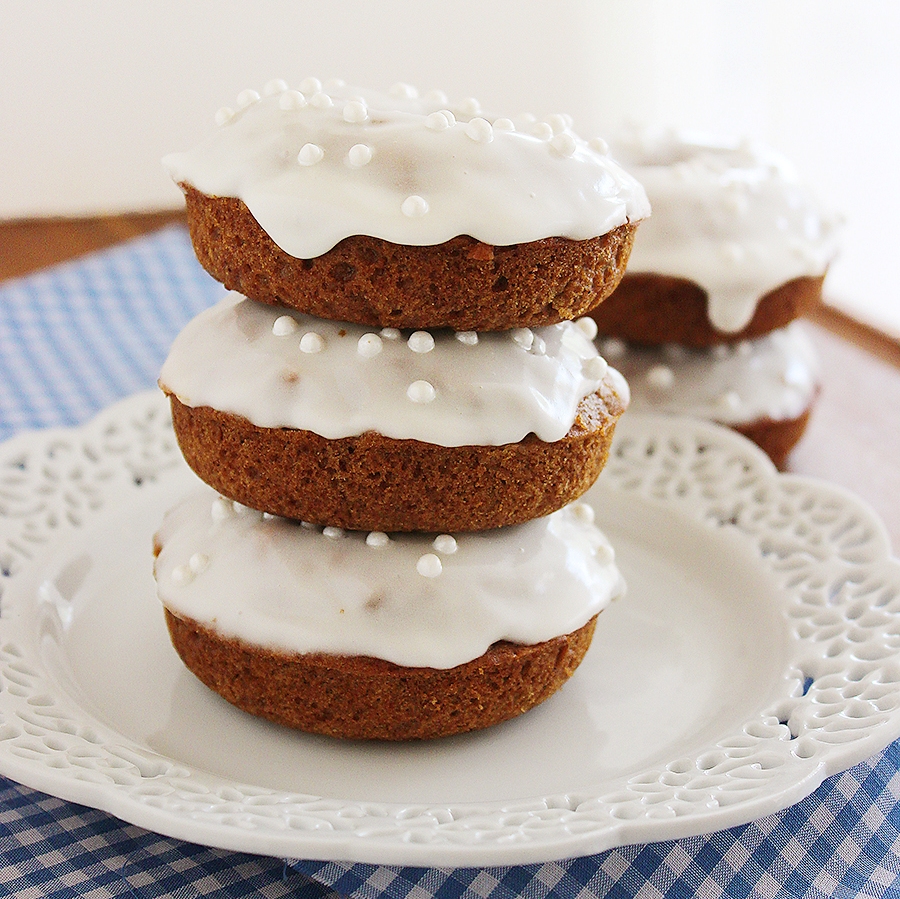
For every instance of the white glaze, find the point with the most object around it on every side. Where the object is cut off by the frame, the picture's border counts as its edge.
(277, 584)
(774, 377)
(730, 216)
(410, 172)
(315, 377)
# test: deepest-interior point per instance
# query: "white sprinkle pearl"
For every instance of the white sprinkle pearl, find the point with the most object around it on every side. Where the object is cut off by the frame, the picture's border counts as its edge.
(247, 98)
(310, 85)
(449, 116)
(405, 91)
(539, 347)
(198, 562)
(524, 337)
(310, 154)
(414, 206)
(221, 509)
(729, 400)
(332, 532)
(309, 526)
(604, 554)
(292, 100)
(583, 513)
(437, 121)
(542, 130)
(480, 130)
(284, 325)
(429, 565)
(311, 342)
(275, 86)
(595, 368)
(224, 115)
(240, 508)
(504, 125)
(613, 348)
(438, 98)
(369, 345)
(564, 144)
(600, 145)
(445, 543)
(470, 106)
(182, 574)
(377, 538)
(587, 326)
(321, 101)
(661, 377)
(355, 112)
(391, 333)
(420, 392)
(420, 342)
(558, 123)
(469, 338)
(359, 155)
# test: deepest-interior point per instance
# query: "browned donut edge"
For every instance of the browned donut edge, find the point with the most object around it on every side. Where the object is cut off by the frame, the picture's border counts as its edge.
(462, 284)
(657, 309)
(358, 697)
(371, 482)
(776, 438)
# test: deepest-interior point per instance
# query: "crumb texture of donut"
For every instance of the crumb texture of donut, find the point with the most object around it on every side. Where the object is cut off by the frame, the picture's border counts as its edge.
(655, 309)
(462, 284)
(363, 698)
(371, 482)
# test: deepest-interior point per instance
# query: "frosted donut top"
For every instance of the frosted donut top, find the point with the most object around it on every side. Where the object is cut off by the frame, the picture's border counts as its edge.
(317, 165)
(279, 368)
(411, 599)
(729, 216)
(773, 377)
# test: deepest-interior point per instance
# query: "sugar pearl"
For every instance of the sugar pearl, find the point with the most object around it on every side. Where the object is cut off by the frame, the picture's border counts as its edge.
(564, 144)
(594, 368)
(605, 554)
(583, 513)
(182, 574)
(504, 125)
(224, 115)
(198, 562)
(420, 342)
(311, 342)
(332, 532)
(284, 325)
(445, 543)
(377, 538)
(660, 377)
(542, 130)
(438, 98)
(524, 337)
(355, 112)
(310, 154)
(420, 392)
(391, 333)
(437, 121)
(429, 565)
(414, 206)
(369, 345)
(480, 130)
(291, 100)
(448, 115)
(247, 98)
(275, 86)
(470, 106)
(359, 155)
(539, 347)
(469, 338)
(587, 326)
(321, 101)
(221, 509)
(404, 91)
(600, 145)
(613, 348)
(310, 85)
(729, 400)
(241, 509)
(558, 123)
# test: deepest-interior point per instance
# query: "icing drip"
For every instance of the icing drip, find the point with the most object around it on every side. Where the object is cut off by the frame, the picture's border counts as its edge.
(731, 217)
(316, 167)
(409, 598)
(340, 380)
(774, 377)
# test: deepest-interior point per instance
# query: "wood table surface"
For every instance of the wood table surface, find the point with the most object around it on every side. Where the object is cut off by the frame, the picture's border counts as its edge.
(853, 438)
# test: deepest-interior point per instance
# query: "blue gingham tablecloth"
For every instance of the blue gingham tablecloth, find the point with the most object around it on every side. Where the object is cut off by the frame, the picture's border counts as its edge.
(77, 337)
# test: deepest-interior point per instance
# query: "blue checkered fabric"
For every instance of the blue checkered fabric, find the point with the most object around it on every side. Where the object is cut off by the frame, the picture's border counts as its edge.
(77, 337)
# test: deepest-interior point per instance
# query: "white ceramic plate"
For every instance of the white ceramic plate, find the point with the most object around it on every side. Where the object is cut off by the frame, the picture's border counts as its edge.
(757, 652)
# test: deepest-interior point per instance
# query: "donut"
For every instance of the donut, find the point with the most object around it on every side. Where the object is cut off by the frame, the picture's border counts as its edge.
(764, 388)
(736, 247)
(370, 636)
(394, 210)
(332, 423)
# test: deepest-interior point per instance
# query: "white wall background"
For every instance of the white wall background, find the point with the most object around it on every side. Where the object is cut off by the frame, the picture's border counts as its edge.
(93, 93)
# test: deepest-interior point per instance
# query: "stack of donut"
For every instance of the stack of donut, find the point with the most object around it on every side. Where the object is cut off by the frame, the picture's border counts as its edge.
(704, 322)
(395, 410)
